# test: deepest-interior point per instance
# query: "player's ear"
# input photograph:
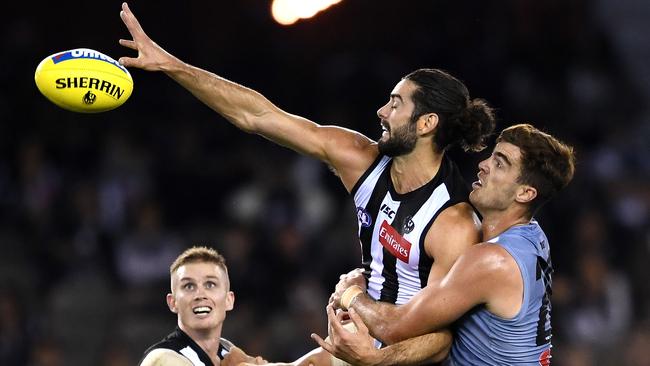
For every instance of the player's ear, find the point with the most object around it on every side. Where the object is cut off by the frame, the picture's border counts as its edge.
(427, 123)
(171, 303)
(525, 194)
(230, 300)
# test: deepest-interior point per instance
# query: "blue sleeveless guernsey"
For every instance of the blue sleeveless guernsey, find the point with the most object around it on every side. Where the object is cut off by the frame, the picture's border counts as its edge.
(482, 338)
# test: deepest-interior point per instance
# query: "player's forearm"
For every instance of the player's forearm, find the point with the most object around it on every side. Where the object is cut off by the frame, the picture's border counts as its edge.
(240, 105)
(427, 348)
(381, 318)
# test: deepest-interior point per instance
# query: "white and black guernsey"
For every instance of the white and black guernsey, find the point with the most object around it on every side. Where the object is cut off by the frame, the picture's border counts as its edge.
(393, 227)
(181, 343)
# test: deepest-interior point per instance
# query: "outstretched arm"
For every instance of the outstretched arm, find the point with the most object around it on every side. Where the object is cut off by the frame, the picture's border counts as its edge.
(349, 152)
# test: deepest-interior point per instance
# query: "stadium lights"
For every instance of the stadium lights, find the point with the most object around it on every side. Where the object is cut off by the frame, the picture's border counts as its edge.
(287, 12)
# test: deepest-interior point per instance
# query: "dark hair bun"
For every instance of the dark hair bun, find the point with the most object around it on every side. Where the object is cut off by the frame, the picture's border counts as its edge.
(476, 123)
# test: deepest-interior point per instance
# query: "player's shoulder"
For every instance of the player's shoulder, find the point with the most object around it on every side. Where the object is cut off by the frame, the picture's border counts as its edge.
(489, 258)
(460, 213)
(165, 357)
(459, 218)
(455, 229)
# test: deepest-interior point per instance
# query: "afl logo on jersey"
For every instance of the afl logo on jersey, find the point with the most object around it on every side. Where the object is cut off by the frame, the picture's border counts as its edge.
(365, 220)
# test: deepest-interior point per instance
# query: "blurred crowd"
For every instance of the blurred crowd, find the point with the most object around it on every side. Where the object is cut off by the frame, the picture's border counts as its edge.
(94, 208)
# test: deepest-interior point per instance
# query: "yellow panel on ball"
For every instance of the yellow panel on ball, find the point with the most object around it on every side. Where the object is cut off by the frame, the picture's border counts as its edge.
(83, 80)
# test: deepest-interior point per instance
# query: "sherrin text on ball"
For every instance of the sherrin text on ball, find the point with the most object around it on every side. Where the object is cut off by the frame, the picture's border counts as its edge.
(83, 80)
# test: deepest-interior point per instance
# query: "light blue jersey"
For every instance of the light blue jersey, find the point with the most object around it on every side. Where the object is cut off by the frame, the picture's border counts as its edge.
(483, 338)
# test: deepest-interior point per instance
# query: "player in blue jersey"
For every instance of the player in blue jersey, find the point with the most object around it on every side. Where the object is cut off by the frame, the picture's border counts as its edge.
(497, 293)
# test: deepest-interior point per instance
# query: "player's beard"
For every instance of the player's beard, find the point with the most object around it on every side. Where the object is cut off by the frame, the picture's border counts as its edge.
(401, 140)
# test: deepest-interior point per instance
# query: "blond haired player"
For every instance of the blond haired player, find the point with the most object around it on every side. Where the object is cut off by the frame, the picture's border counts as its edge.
(200, 297)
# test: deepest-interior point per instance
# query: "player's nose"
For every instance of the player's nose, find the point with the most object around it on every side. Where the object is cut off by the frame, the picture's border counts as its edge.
(483, 165)
(381, 112)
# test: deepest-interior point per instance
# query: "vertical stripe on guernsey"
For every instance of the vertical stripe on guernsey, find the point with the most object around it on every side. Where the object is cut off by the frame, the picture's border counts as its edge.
(393, 227)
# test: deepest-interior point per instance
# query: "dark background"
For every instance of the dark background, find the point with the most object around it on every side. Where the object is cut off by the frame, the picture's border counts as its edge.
(93, 208)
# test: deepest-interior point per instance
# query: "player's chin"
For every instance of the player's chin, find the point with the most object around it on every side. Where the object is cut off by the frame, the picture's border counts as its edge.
(473, 196)
(203, 324)
(201, 321)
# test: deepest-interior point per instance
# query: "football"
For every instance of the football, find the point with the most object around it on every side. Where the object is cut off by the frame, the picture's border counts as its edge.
(83, 80)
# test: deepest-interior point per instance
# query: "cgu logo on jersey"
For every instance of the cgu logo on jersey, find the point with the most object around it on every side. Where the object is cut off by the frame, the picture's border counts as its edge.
(364, 217)
(387, 210)
(394, 242)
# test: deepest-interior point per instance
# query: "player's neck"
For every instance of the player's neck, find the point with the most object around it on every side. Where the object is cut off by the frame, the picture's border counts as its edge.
(496, 222)
(208, 341)
(412, 171)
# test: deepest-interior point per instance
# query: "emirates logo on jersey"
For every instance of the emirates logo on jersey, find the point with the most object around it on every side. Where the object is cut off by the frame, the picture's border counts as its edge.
(390, 239)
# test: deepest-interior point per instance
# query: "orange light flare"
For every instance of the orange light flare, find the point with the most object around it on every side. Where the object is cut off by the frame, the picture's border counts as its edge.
(287, 12)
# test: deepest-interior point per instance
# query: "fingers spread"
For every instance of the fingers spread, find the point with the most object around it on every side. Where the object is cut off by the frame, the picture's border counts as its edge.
(326, 346)
(128, 61)
(129, 44)
(131, 22)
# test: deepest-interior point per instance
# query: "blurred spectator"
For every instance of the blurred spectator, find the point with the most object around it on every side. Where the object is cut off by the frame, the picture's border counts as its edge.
(14, 337)
(602, 308)
(143, 256)
(635, 350)
(46, 352)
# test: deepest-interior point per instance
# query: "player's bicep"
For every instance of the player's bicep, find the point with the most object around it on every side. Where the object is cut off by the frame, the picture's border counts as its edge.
(165, 357)
(466, 285)
(455, 230)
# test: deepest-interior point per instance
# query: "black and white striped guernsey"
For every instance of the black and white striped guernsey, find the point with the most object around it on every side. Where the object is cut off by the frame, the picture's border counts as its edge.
(181, 343)
(393, 227)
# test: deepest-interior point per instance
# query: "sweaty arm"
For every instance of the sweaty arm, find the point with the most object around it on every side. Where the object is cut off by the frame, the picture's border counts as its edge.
(455, 230)
(165, 357)
(485, 274)
(348, 152)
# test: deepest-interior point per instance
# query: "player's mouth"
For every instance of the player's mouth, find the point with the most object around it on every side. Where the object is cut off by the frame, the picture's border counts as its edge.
(478, 183)
(385, 128)
(202, 310)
